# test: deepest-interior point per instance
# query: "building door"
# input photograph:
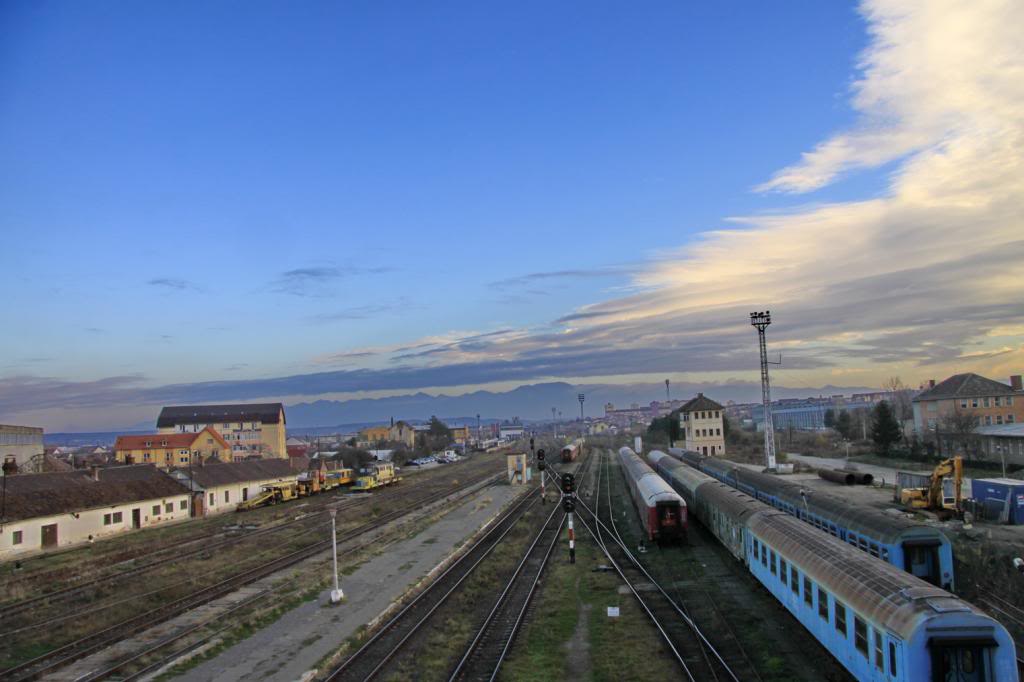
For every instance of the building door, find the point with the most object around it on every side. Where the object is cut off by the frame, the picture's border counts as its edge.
(50, 535)
(245, 494)
(136, 518)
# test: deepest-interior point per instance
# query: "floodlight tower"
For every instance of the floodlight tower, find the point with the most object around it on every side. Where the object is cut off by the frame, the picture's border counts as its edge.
(581, 398)
(761, 322)
(668, 393)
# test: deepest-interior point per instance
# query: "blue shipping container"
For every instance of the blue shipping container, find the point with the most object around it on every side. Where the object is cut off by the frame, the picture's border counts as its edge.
(991, 491)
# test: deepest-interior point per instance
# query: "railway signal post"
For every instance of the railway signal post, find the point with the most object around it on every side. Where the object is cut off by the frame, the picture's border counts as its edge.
(336, 594)
(569, 504)
(540, 467)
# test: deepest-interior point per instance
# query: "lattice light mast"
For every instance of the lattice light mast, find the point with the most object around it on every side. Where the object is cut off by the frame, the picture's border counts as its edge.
(581, 398)
(761, 322)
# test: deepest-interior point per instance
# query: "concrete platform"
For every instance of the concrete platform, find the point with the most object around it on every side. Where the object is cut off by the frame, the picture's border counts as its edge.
(288, 649)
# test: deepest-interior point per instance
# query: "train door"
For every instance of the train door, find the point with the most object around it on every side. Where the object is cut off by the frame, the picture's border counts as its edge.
(922, 560)
(668, 520)
(961, 662)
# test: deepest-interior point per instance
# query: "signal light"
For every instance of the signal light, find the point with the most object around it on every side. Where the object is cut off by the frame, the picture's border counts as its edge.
(569, 504)
(540, 460)
(568, 484)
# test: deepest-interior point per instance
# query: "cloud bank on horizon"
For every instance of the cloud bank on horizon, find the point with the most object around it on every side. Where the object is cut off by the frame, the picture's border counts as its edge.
(921, 280)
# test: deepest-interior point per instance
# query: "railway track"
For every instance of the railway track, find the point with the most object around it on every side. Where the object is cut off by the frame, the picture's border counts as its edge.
(697, 603)
(93, 642)
(1012, 616)
(698, 659)
(384, 645)
(487, 651)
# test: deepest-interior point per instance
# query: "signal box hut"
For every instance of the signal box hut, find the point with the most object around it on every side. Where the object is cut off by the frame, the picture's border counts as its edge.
(518, 469)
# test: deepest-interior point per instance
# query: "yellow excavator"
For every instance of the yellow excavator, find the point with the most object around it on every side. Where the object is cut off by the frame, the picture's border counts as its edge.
(933, 497)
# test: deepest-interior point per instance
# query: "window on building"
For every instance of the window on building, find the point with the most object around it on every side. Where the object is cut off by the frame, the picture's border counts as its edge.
(156, 510)
(106, 519)
(794, 581)
(1009, 401)
(974, 402)
(212, 501)
(840, 610)
(999, 419)
(860, 635)
(149, 443)
(808, 591)
(988, 420)
(227, 496)
(183, 505)
(16, 537)
(963, 404)
(986, 402)
(999, 401)
(168, 507)
(823, 604)
(718, 432)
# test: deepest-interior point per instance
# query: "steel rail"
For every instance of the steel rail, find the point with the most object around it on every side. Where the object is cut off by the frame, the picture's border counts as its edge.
(502, 601)
(93, 642)
(493, 537)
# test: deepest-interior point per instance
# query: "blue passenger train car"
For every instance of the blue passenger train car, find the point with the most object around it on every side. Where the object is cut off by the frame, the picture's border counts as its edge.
(881, 623)
(921, 550)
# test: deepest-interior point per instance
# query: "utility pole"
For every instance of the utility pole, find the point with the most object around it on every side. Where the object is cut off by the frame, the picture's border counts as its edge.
(554, 423)
(761, 321)
(668, 393)
(336, 594)
(478, 441)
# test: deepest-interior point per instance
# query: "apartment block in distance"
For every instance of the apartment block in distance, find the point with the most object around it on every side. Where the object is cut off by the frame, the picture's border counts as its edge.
(991, 403)
(700, 421)
(252, 430)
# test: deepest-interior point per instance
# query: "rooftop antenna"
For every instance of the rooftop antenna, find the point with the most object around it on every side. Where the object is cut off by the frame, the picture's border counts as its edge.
(761, 321)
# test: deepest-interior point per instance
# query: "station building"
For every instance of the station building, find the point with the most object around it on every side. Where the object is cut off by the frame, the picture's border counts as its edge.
(256, 429)
(700, 422)
(51, 510)
(218, 488)
(169, 450)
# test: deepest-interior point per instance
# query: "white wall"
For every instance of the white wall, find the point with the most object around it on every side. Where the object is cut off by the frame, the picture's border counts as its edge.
(234, 490)
(72, 530)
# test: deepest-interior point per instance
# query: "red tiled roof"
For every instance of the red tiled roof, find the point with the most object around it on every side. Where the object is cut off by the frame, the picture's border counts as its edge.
(165, 440)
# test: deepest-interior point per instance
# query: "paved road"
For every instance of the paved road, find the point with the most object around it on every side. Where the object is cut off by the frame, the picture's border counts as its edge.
(289, 648)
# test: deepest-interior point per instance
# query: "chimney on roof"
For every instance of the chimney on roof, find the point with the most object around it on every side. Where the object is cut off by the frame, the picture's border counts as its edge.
(931, 383)
(10, 465)
(700, 395)
(1015, 383)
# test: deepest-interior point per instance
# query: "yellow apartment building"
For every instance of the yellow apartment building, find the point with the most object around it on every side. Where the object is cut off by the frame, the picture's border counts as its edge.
(256, 429)
(167, 450)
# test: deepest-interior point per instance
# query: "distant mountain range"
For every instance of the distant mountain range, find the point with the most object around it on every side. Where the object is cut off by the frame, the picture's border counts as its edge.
(532, 402)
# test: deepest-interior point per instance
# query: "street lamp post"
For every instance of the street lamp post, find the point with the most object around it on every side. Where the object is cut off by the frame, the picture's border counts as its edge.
(336, 594)
(554, 423)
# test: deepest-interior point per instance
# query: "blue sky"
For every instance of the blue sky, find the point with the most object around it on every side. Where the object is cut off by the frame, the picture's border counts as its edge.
(233, 191)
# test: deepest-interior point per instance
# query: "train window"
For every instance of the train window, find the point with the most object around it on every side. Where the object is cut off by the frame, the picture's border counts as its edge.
(823, 604)
(840, 617)
(862, 543)
(808, 591)
(794, 582)
(771, 561)
(879, 652)
(755, 547)
(860, 635)
(885, 553)
(783, 570)
(874, 549)
(764, 555)
(892, 659)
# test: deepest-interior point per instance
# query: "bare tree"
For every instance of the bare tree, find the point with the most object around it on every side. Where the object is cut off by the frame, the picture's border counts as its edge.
(958, 426)
(899, 400)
